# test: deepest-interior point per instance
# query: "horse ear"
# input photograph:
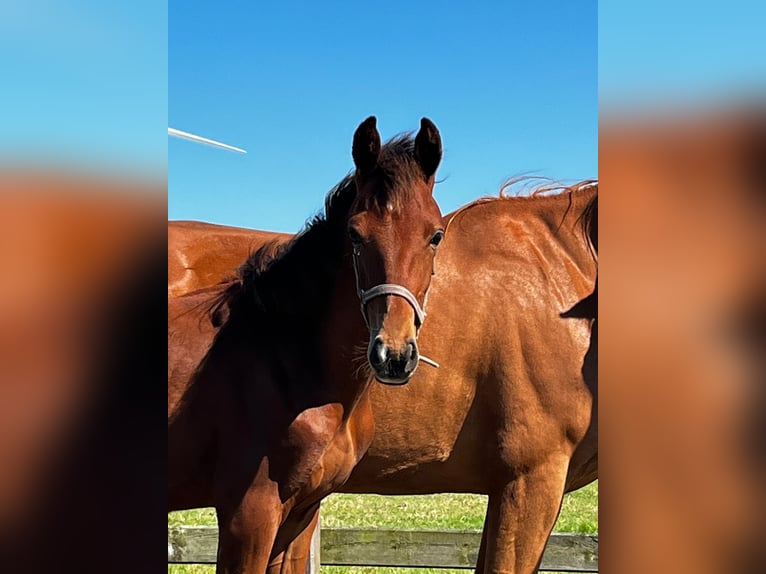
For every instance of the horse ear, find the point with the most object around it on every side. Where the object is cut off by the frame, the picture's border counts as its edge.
(366, 148)
(219, 315)
(428, 147)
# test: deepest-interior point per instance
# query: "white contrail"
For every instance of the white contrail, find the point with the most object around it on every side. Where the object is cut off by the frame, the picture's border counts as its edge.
(199, 139)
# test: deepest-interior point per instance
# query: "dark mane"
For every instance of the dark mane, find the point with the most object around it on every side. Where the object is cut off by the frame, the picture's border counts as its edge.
(397, 170)
(292, 282)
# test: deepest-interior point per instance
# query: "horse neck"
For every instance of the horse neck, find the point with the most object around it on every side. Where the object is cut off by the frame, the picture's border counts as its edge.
(549, 223)
(310, 364)
(343, 343)
(569, 254)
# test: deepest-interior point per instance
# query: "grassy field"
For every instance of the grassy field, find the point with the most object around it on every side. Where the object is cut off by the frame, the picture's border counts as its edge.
(579, 513)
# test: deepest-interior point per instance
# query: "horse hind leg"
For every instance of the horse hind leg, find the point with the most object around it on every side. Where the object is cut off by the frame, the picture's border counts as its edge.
(520, 517)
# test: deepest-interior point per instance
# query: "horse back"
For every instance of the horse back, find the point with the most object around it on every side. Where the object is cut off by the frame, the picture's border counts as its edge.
(202, 254)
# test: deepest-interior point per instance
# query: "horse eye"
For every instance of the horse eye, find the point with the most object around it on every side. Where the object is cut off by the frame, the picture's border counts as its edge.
(354, 236)
(437, 238)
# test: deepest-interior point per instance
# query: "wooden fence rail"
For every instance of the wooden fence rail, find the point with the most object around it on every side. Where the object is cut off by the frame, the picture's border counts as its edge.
(395, 548)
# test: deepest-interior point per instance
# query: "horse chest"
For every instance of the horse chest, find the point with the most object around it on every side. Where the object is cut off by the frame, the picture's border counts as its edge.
(339, 460)
(319, 454)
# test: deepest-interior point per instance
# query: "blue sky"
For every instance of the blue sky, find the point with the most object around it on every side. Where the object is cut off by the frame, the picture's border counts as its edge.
(659, 53)
(512, 86)
(84, 85)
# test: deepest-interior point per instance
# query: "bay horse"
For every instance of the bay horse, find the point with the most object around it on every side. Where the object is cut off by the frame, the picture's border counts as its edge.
(511, 409)
(268, 387)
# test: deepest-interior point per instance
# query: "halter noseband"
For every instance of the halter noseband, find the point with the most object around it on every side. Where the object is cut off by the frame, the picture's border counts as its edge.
(367, 295)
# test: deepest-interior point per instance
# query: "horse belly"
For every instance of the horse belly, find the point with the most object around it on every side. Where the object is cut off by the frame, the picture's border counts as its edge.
(421, 466)
(420, 449)
(189, 477)
(424, 478)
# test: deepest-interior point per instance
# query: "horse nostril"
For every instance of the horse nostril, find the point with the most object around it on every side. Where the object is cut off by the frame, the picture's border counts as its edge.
(378, 353)
(412, 351)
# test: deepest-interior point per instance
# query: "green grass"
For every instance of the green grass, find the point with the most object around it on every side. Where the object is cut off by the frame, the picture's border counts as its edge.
(579, 513)
(196, 517)
(435, 511)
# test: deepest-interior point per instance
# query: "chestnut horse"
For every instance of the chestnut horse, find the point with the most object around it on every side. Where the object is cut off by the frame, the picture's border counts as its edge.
(268, 394)
(514, 331)
(197, 251)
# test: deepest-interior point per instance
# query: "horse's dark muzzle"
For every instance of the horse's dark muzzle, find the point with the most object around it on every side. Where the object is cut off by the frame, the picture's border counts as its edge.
(393, 367)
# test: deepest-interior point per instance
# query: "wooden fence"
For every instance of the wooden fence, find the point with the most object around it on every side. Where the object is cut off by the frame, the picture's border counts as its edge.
(394, 548)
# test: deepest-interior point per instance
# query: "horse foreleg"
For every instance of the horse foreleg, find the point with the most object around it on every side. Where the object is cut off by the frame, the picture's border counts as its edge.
(294, 560)
(520, 517)
(246, 536)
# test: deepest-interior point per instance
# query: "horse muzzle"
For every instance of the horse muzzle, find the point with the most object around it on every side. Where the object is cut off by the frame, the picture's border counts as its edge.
(393, 366)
